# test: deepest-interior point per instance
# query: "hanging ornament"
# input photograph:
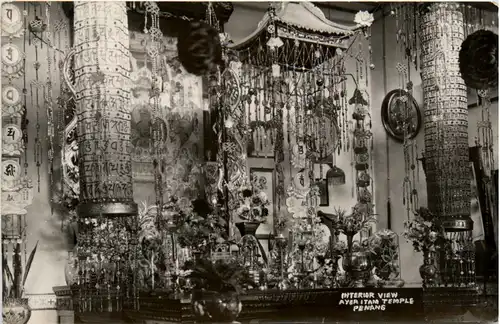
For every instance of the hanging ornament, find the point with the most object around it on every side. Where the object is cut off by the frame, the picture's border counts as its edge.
(299, 155)
(12, 21)
(302, 183)
(37, 25)
(478, 60)
(199, 48)
(335, 176)
(12, 105)
(12, 61)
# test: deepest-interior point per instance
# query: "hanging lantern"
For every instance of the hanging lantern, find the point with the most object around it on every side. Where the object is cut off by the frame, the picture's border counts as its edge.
(335, 176)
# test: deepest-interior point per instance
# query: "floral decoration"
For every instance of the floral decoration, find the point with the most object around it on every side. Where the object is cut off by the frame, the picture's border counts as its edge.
(384, 248)
(221, 276)
(198, 227)
(364, 18)
(339, 248)
(424, 231)
(360, 218)
(195, 226)
(252, 202)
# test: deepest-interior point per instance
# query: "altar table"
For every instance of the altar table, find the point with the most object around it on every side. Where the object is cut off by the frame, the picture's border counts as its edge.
(404, 305)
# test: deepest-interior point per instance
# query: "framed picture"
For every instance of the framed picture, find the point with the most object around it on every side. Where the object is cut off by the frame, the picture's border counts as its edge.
(267, 175)
(323, 192)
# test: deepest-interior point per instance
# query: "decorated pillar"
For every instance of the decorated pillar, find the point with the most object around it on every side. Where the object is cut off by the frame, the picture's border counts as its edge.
(100, 82)
(102, 91)
(446, 138)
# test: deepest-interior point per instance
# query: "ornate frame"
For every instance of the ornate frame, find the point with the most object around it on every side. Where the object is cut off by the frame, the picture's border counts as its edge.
(386, 119)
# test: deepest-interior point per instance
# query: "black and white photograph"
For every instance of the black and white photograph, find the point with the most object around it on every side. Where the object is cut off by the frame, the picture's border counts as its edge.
(249, 162)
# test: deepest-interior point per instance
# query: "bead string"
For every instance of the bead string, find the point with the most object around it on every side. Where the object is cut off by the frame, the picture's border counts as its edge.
(37, 84)
(48, 101)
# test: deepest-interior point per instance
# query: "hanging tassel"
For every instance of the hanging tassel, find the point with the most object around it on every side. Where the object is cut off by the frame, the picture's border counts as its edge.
(389, 214)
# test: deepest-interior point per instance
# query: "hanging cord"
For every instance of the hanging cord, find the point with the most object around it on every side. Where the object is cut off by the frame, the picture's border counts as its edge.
(387, 150)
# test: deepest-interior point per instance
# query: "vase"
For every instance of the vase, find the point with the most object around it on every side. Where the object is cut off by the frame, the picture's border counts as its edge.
(335, 268)
(71, 269)
(428, 270)
(16, 311)
(216, 306)
(248, 228)
(357, 265)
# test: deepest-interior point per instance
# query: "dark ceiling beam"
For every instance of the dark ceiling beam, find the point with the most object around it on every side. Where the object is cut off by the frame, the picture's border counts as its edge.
(338, 6)
(171, 15)
(486, 6)
(333, 6)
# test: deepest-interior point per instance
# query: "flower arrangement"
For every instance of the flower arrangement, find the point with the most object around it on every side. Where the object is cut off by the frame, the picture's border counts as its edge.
(13, 281)
(360, 219)
(339, 248)
(252, 202)
(424, 231)
(197, 228)
(222, 276)
(384, 248)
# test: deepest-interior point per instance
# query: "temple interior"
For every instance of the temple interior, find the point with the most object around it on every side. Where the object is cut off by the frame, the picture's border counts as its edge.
(249, 162)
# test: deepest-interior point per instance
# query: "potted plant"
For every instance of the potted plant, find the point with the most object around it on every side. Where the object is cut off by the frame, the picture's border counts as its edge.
(15, 308)
(217, 287)
(252, 205)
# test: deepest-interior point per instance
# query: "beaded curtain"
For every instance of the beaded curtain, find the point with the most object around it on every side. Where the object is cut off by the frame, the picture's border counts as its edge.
(181, 111)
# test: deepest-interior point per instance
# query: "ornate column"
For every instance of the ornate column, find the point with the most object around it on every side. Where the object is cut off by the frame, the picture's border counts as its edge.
(102, 87)
(446, 138)
(107, 213)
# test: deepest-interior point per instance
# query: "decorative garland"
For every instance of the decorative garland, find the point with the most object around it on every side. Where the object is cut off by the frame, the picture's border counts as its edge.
(478, 60)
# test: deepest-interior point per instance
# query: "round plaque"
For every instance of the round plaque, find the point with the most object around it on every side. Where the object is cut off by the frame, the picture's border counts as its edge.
(11, 134)
(12, 60)
(394, 118)
(299, 155)
(10, 95)
(12, 21)
(11, 172)
(301, 182)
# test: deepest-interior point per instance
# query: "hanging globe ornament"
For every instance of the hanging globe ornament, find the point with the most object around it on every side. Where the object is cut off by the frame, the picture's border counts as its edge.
(478, 60)
(199, 47)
